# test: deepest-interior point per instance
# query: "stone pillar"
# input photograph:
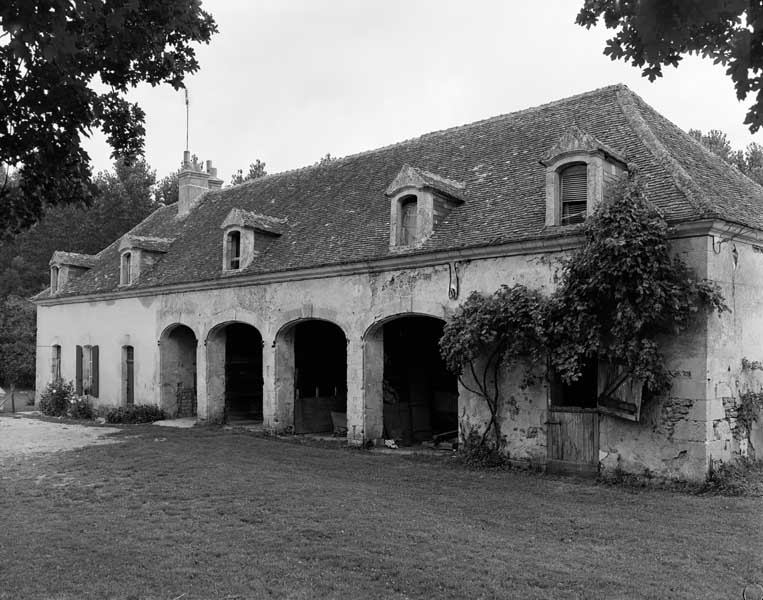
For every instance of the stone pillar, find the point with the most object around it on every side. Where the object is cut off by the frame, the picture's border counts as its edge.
(202, 399)
(372, 388)
(355, 401)
(283, 414)
(215, 376)
(269, 404)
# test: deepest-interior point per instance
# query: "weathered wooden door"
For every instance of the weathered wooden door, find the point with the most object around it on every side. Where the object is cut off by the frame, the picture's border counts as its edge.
(573, 439)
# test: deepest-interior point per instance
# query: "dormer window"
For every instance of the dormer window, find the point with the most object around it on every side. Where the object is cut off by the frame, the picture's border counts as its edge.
(419, 202)
(246, 235)
(125, 272)
(573, 193)
(580, 171)
(138, 255)
(54, 280)
(233, 250)
(408, 220)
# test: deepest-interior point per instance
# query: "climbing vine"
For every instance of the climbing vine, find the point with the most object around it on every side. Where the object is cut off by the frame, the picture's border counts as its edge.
(619, 294)
(486, 336)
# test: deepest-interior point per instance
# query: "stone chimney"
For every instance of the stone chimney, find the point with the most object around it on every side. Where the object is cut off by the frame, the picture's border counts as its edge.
(193, 182)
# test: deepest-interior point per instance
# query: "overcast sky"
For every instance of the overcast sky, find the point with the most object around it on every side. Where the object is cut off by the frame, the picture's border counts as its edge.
(287, 81)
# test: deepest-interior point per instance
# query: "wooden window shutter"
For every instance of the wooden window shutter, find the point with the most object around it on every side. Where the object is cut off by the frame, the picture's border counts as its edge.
(620, 394)
(78, 377)
(94, 371)
(574, 194)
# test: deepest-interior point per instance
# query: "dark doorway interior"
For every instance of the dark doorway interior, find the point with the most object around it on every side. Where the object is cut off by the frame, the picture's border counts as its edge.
(420, 394)
(243, 372)
(581, 393)
(320, 364)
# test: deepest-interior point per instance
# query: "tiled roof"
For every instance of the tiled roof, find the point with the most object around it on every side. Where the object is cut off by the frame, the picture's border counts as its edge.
(337, 212)
(257, 221)
(72, 258)
(411, 176)
(152, 244)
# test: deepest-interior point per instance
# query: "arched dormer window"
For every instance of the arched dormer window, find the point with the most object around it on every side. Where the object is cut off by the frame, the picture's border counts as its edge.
(573, 193)
(408, 220)
(233, 250)
(125, 277)
(54, 280)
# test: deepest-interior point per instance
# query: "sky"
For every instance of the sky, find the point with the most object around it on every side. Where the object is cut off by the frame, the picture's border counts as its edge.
(288, 81)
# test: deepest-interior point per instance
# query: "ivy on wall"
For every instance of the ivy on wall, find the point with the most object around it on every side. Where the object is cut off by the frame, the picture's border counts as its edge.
(619, 293)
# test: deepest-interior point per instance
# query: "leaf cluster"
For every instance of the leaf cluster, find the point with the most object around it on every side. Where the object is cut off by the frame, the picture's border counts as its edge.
(256, 170)
(66, 67)
(655, 33)
(509, 323)
(622, 290)
(620, 293)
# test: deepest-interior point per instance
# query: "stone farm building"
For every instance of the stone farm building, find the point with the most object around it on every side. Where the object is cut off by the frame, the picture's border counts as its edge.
(314, 299)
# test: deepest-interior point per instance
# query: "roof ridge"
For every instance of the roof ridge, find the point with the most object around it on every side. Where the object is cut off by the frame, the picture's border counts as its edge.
(615, 86)
(626, 99)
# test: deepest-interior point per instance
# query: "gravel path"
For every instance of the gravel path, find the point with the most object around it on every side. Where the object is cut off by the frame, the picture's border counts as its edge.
(20, 435)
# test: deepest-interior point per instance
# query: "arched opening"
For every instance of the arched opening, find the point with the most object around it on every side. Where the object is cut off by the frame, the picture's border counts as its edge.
(411, 397)
(126, 270)
(234, 373)
(54, 280)
(311, 376)
(408, 220)
(177, 349)
(573, 191)
(233, 250)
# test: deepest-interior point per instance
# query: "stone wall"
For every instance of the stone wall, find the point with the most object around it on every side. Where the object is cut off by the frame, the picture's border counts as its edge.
(670, 438)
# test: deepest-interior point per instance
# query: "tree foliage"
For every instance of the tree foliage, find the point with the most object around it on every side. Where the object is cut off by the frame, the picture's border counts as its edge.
(749, 160)
(66, 67)
(123, 198)
(17, 341)
(487, 335)
(622, 291)
(256, 170)
(656, 33)
(620, 295)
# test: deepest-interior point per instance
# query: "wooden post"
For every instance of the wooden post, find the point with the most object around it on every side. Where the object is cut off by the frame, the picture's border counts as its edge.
(13, 402)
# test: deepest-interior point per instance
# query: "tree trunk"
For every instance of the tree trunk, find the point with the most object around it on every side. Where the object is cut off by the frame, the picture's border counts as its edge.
(13, 400)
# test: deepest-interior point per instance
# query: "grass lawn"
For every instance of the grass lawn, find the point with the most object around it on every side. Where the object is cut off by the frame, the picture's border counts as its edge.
(216, 514)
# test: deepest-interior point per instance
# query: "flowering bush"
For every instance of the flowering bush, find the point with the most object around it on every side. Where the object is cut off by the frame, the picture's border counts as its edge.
(55, 400)
(79, 408)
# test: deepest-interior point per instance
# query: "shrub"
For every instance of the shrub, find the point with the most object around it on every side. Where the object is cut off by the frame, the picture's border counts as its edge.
(56, 398)
(474, 453)
(141, 413)
(79, 408)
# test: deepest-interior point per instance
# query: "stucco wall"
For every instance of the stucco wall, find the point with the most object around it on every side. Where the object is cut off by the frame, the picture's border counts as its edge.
(668, 440)
(737, 266)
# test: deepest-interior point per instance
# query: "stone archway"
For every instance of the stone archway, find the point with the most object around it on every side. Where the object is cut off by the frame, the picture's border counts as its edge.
(409, 394)
(311, 376)
(234, 372)
(177, 351)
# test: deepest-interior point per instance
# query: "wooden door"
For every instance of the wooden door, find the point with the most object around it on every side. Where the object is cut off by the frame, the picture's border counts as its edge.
(573, 439)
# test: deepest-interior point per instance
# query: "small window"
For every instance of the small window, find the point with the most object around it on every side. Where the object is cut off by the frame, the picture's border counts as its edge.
(573, 191)
(55, 363)
(87, 371)
(234, 250)
(128, 375)
(126, 273)
(53, 280)
(408, 220)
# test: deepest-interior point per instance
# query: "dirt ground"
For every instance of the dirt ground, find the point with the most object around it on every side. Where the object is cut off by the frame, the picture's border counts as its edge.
(22, 435)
